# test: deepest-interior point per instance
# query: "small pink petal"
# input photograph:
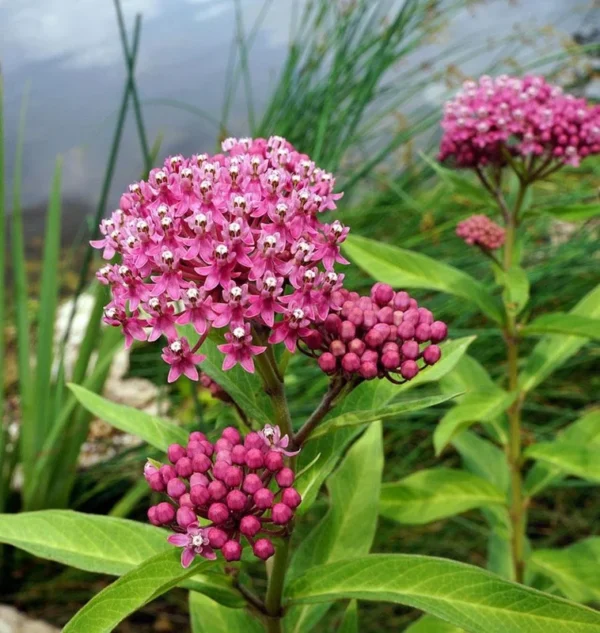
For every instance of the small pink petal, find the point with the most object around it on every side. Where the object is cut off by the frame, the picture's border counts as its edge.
(180, 540)
(187, 556)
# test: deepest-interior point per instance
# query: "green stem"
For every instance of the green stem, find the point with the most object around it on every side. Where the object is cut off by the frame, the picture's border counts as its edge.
(513, 447)
(275, 587)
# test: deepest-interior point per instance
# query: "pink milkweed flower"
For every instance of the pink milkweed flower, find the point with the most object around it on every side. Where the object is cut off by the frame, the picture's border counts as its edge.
(162, 319)
(198, 310)
(194, 542)
(231, 312)
(271, 436)
(329, 251)
(132, 325)
(219, 272)
(109, 242)
(171, 278)
(182, 360)
(265, 304)
(294, 325)
(239, 349)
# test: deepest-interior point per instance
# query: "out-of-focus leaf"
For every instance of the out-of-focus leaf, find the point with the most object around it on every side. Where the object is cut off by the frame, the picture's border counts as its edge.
(580, 460)
(208, 616)
(559, 323)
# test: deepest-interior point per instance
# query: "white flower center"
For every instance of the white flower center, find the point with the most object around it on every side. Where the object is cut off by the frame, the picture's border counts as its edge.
(176, 347)
(197, 540)
(221, 250)
(162, 210)
(298, 314)
(239, 332)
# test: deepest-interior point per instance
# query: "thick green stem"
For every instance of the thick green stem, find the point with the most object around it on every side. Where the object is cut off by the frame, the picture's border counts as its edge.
(513, 447)
(275, 586)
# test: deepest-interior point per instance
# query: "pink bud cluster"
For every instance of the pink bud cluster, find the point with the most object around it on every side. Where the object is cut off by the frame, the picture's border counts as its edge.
(241, 487)
(231, 240)
(377, 336)
(479, 230)
(520, 116)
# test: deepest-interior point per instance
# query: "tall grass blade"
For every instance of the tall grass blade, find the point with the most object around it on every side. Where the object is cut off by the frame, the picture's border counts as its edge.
(47, 309)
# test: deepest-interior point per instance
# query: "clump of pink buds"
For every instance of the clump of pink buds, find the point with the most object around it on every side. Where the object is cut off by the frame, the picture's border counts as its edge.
(384, 335)
(480, 231)
(242, 488)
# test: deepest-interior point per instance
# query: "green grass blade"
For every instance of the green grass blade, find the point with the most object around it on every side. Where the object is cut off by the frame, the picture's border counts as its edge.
(3, 430)
(47, 307)
(29, 438)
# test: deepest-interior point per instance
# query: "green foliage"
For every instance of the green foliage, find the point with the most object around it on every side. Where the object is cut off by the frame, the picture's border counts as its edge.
(430, 624)
(430, 495)
(143, 584)
(350, 622)
(574, 569)
(208, 616)
(402, 268)
(156, 431)
(580, 460)
(571, 324)
(468, 597)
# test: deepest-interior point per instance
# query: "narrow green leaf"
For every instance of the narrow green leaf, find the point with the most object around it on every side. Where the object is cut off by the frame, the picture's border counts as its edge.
(580, 460)
(460, 183)
(430, 495)
(483, 458)
(405, 269)
(475, 407)
(143, 584)
(430, 624)
(246, 389)
(585, 431)
(552, 351)
(156, 431)
(48, 301)
(575, 570)
(383, 413)
(349, 623)
(208, 616)
(466, 596)
(100, 544)
(354, 492)
(516, 289)
(468, 375)
(573, 212)
(560, 323)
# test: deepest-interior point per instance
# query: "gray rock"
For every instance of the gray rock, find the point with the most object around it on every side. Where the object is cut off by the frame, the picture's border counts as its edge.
(11, 621)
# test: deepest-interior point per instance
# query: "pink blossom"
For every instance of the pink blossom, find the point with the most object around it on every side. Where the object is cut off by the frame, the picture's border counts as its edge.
(182, 360)
(239, 349)
(480, 230)
(195, 542)
(271, 436)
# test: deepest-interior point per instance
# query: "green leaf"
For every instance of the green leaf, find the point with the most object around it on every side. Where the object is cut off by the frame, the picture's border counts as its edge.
(246, 389)
(430, 495)
(560, 323)
(573, 212)
(140, 586)
(156, 431)
(373, 415)
(586, 430)
(467, 375)
(430, 624)
(100, 544)
(575, 570)
(207, 616)
(516, 289)
(350, 622)
(354, 492)
(402, 268)
(466, 596)
(48, 300)
(580, 460)
(475, 407)
(461, 184)
(552, 351)
(483, 458)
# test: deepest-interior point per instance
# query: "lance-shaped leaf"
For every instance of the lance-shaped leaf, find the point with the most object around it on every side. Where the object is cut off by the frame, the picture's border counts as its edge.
(580, 460)
(349, 526)
(560, 323)
(349, 623)
(475, 407)
(143, 584)
(552, 351)
(575, 570)
(430, 624)
(156, 431)
(429, 495)
(207, 616)
(468, 597)
(100, 544)
(402, 268)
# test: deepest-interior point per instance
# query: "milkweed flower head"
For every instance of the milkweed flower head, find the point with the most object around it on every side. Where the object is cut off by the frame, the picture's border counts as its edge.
(383, 335)
(480, 231)
(225, 495)
(232, 240)
(494, 118)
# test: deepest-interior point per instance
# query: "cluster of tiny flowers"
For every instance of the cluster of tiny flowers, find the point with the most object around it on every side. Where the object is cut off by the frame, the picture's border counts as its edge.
(231, 240)
(524, 116)
(377, 336)
(479, 230)
(241, 488)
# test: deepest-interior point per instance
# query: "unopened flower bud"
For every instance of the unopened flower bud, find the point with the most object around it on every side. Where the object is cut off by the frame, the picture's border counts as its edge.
(165, 513)
(327, 363)
(199, 495)
(252, 483)
(382, 294)
(432, 354)
(232, 550)
(281, 514)
(217, 537)
(337, 348)
(217, 490)
(201, 463)
(175, 488)
(185, 516)
(184, 467)
(218, 513)
(175, 453)
(368, 370)
(253, 440)
(236, 500)
(291, 497)
(439, 331)
(263, 498)
(351, 363)
(250, 525)
(238, 455)
(409, 369)
(263, 549)
(347, 330)
(390, 360)
(254, 458)
(274, 461)
(285, 477)
(422, 332)
(232, 435)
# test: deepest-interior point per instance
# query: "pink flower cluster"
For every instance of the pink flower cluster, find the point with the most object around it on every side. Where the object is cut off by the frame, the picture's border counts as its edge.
(481, 231)
(377, 336)
(231, 240)
(523, 116)
(242, 488)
